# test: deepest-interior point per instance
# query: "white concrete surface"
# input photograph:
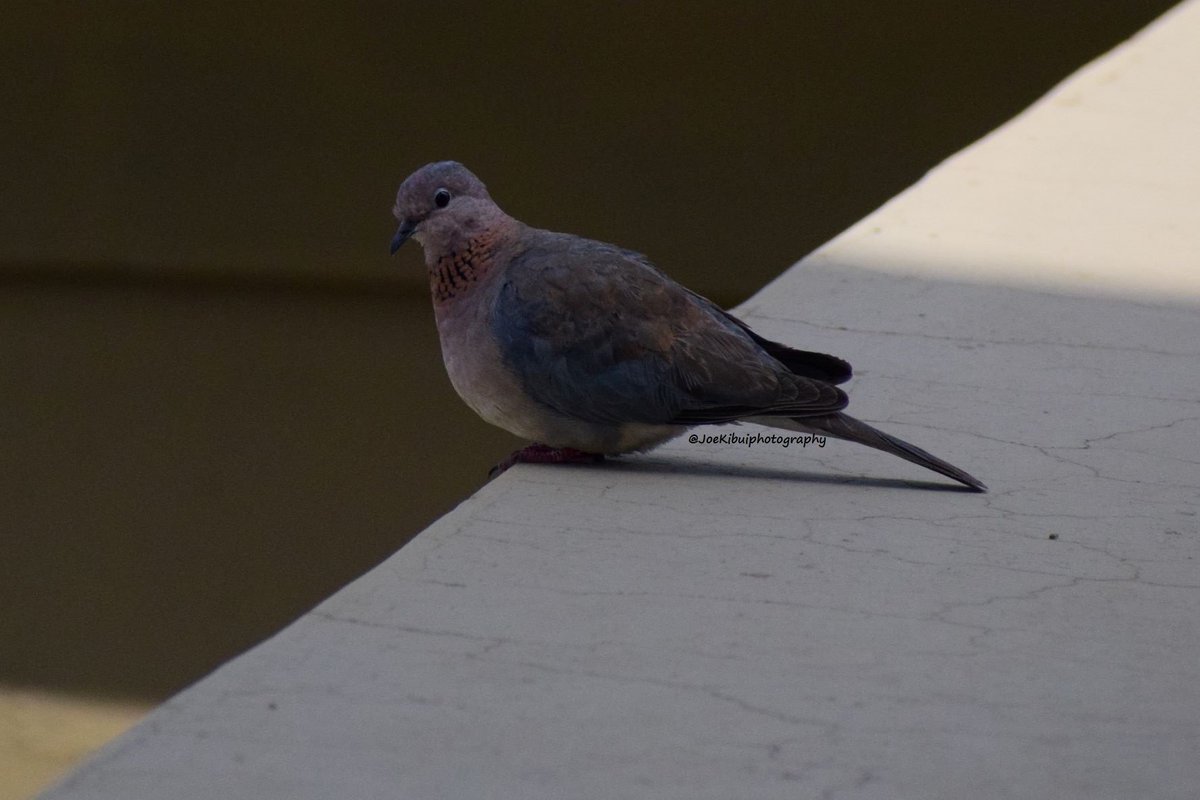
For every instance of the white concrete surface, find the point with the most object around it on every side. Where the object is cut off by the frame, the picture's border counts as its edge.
(725, 622)
(1093, 188)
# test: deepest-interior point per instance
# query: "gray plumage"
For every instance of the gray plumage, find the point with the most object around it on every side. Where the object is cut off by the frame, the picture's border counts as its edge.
(588, 349)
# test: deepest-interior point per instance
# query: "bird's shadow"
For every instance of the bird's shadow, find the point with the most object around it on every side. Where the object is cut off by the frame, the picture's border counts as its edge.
(657, 465)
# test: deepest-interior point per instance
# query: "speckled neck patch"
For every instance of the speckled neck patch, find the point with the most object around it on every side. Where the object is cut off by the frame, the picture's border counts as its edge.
(454, 273)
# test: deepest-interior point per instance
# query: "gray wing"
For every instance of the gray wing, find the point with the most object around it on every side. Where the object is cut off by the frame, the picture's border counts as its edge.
(596, 333)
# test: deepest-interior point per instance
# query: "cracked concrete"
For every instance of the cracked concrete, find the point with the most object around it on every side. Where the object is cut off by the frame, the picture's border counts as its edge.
(718, 621)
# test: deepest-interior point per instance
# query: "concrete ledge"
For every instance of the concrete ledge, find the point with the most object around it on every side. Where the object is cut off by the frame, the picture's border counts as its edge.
(722, 621)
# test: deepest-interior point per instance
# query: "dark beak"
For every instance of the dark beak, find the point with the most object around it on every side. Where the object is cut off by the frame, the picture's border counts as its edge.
(402, 233)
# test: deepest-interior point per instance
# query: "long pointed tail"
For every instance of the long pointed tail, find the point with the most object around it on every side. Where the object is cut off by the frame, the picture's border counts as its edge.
(841, 426)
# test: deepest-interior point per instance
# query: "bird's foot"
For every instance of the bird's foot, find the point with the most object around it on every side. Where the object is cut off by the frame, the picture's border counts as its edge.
(542, 454)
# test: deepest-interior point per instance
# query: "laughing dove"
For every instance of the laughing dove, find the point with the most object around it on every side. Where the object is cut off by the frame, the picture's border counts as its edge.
(588, 349)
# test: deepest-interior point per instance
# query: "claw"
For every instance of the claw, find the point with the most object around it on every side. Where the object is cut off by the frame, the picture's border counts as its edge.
(542, 454)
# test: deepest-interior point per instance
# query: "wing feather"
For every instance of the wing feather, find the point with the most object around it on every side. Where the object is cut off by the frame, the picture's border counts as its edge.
(618, 341)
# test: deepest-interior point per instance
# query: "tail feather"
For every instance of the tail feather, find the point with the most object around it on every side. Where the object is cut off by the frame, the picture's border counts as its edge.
(842, 426)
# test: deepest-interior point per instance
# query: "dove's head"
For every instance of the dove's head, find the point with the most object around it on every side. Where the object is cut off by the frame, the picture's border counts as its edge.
(442, 205)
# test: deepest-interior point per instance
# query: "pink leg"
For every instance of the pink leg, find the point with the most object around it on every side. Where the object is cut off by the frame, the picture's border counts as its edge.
(541, 454)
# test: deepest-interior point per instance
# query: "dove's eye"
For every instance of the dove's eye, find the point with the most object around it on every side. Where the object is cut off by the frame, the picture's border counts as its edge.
(441, 197)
